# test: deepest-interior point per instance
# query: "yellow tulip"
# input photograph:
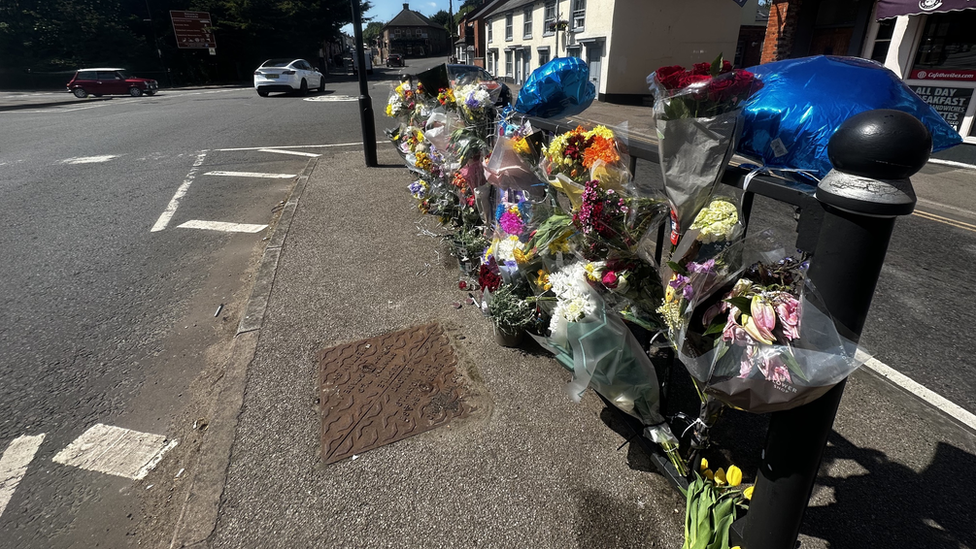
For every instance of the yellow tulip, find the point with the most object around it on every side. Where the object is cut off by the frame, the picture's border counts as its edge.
(734, 476)
(708, 474)
(720, 479)
(704, 464)
(747, 493)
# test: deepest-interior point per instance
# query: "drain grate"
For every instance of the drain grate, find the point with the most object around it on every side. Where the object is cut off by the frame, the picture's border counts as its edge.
(384, 389)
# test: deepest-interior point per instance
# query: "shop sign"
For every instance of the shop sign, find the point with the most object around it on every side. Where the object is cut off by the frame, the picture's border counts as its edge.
(940, 74)
(950, 103)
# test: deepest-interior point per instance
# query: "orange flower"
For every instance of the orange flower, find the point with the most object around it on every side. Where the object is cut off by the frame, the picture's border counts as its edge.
(601, 149)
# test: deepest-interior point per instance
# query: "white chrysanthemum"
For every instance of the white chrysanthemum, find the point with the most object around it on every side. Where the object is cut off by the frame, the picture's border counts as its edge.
(573, 295)
(717, 222)
(505, 248)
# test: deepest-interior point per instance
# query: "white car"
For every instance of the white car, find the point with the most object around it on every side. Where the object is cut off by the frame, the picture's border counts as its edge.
(287, 75)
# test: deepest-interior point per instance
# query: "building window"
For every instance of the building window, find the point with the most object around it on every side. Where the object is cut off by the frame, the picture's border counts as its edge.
(398, 32)
(886, 29)
(508, 63)
(508, 26)
(527, 23)
(579, 14)
(948, 42)
(549, 19)
(574, 51)
(488, 25)
(543, 56)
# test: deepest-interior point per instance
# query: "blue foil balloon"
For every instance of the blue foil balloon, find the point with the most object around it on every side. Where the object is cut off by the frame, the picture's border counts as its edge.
(788, 123)
(561, 87)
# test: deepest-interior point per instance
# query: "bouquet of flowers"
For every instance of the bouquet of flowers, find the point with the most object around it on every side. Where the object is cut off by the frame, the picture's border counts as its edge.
(575, 153)
(613, 222)
(476, 103)
(407, 103)
(697, 116)
(775, 348)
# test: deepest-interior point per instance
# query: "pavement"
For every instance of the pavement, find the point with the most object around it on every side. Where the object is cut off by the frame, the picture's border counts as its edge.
(352, 258)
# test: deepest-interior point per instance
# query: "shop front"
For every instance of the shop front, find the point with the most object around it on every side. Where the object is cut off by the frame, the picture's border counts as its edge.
(931, 45)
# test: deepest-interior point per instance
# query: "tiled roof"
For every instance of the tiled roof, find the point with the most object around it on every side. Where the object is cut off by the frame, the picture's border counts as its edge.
(512, 4)
(410, 18)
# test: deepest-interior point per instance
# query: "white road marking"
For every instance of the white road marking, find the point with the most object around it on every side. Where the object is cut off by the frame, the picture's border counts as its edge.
(116, 451)
(221, 226)
(13, 465)
(332, 98)
(324, 146)
(174, 203)
(952, 163)
(296, 153)
(920, 391)
(254, 174)
(90, 159)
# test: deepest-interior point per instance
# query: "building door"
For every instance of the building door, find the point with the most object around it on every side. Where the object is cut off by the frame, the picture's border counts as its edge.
(526, 60)
(594, 58)
(518, 66)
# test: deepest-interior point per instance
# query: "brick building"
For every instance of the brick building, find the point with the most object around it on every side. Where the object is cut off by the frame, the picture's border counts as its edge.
(413, 35)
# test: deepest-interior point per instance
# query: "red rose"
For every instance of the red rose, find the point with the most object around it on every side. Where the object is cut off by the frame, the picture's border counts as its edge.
(610, 279)
(668, 76)
(697, 80)
(701, 68)
(721, 88)
(726, 67)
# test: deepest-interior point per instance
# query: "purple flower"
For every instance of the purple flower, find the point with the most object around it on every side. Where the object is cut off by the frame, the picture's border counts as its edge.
(688, 292)
(679, 281)
(707, 267)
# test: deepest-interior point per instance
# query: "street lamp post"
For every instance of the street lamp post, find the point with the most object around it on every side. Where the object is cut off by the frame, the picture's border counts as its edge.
(365, 103)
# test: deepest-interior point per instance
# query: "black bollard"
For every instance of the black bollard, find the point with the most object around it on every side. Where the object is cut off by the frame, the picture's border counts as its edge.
(365, 103)
(874, 154)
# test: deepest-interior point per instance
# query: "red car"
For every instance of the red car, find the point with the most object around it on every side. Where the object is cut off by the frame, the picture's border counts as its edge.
(100, 82)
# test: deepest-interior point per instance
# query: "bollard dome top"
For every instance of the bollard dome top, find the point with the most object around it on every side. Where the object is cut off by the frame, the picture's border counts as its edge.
(880, 144)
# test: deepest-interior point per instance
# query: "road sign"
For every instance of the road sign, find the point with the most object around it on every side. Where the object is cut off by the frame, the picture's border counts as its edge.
(193, 29)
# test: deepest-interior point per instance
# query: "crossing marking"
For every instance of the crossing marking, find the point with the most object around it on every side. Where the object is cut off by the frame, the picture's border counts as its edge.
(174, 203)
(13, 465)
(116, 451)
(254, 174)
(296, 153)
(222, 226)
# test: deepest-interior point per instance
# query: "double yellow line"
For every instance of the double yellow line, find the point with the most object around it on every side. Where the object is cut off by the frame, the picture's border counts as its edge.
(946, 221)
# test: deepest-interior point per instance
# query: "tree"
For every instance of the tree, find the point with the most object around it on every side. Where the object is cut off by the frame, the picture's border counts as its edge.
(441, 19)
(372, 31)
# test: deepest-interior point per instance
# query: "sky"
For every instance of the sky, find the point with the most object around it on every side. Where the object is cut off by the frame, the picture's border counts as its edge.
(384, 10)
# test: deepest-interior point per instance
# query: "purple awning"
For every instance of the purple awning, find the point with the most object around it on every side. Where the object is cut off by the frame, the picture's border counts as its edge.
(893, 8)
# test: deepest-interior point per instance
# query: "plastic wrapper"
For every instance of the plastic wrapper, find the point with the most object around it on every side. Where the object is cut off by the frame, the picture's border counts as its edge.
(507, 169)
(696, 112)
(788, 123)
(775, 347)
(561, 87)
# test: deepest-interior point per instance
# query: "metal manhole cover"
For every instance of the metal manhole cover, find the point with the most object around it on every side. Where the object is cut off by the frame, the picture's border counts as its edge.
(384, 389)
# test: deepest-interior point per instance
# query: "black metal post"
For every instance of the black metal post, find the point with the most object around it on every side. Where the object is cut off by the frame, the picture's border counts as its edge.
(365, 103)
(874, 154)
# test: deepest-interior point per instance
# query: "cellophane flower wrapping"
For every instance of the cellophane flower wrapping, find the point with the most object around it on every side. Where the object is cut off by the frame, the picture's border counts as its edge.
(774, 346)
(697, 114)
(605, 354)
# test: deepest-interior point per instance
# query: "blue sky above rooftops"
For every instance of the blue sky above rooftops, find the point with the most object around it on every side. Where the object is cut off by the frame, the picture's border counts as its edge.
(384, 10)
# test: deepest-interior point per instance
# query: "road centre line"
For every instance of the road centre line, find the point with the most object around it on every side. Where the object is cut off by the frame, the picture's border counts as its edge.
(174, 203)
(13, 465)
(222, 226)
(296, 153)
(927, 395)
(116, 451)
(254, 174)
(945, 220)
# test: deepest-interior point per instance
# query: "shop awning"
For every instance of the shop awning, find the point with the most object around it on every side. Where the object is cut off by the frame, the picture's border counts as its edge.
(894, 8)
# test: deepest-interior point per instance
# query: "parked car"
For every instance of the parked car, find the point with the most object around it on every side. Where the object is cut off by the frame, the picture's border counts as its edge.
(109, 81)
(464, 74)
(394, 60)
(287, 75)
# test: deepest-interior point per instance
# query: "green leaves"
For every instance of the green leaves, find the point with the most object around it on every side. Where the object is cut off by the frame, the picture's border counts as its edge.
(709, 514)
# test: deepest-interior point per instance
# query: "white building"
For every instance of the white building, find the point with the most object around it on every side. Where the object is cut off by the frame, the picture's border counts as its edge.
(622, 40)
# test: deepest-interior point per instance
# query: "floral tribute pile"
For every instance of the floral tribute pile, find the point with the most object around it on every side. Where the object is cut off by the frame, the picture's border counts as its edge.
(555, 242)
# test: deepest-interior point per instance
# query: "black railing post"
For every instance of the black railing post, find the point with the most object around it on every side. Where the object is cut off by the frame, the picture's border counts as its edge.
(874, 154)
(365, 103)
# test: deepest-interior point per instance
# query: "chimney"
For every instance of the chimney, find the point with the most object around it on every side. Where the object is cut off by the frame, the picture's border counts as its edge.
(406, 6)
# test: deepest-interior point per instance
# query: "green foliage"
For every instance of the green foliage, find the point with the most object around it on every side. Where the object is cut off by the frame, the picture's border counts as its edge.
(509, 310)
(441, 18)
(372, 31)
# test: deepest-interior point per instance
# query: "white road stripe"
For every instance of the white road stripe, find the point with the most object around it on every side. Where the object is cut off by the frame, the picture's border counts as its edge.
(90, 159)
(952, 163)
(116, 451)
(920, 391)
(254, 174)
(13, 465)
(221, 226)
(175, 202)
(296, 153)
(324, 146)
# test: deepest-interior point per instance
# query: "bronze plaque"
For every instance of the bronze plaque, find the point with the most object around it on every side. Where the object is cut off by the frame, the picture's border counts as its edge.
(384, 389)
